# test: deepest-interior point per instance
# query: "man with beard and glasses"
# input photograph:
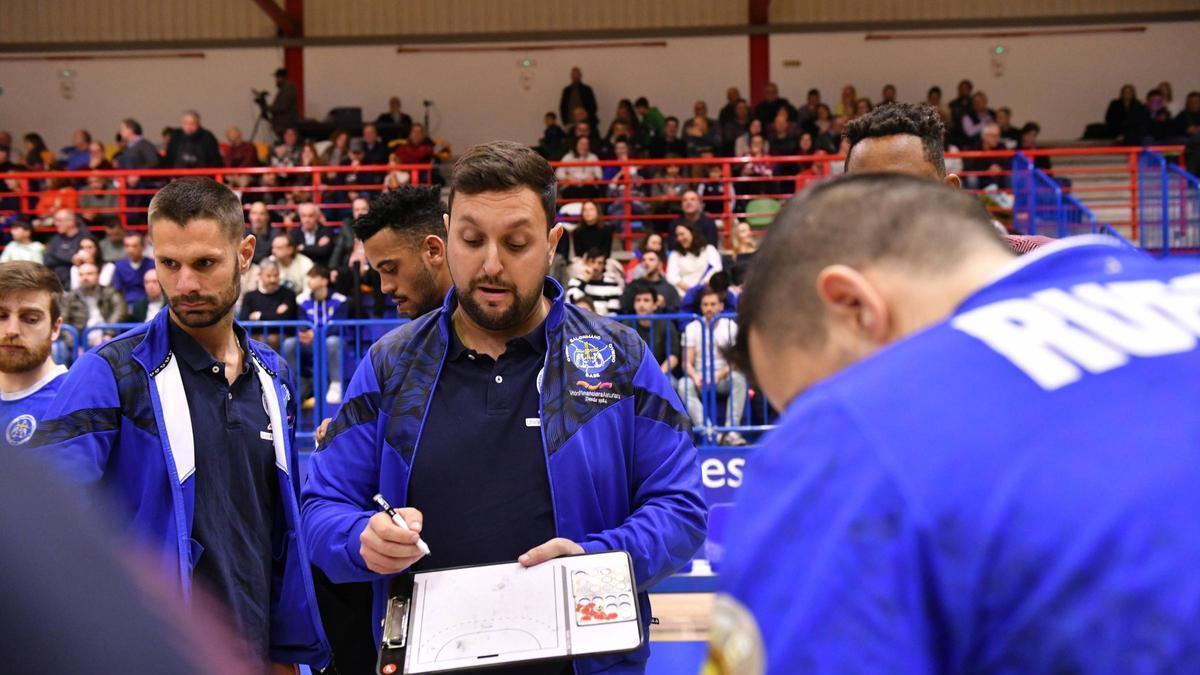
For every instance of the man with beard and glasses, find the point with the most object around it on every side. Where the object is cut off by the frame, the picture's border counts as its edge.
(184, 427)
(29, 325)
(507, 423)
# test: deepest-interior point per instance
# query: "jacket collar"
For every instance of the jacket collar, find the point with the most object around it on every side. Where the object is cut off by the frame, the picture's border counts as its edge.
(154, 351)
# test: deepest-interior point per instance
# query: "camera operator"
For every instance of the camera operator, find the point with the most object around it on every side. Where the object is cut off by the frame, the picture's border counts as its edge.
(284, 110)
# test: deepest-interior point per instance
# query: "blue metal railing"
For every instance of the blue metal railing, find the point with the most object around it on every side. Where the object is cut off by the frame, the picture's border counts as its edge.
(1041, 206)
(1168, 206)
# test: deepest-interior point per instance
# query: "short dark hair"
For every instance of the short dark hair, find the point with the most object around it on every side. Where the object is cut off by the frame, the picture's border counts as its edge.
(318, 270)
(20, 224)
(133, 125)
(640, 287)
(595, 252)
(411, 210)
(814, 92)
(504, 165)
(855, 220)
(23, 275)
(1031, 126)
(671, 118)
(707, 291)
(641, 102)
(909, 119)
(933, 89)
(186, 199)
(719, 282)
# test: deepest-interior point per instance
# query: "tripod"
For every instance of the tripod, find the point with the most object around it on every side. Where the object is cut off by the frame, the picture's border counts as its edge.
(264, 117)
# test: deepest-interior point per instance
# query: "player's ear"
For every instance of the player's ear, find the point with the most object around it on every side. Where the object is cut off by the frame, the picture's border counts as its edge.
(434, 249)
(246, 252)
(953, 180)
(556, 233)
(853, 304)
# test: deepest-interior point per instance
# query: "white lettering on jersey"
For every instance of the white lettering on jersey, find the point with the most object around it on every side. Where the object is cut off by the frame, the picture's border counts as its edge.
(1056, 335)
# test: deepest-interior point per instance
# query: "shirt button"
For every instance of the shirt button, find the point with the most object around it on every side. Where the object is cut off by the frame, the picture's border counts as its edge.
(231, 396)
(499, 380)
(216, 369)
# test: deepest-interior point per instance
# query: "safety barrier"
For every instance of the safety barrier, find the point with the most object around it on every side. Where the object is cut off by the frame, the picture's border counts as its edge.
(1168, 206)
(328, 355)
(1042, 205)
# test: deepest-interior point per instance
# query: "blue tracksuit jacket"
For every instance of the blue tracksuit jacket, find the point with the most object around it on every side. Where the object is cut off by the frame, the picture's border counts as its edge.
(1013, 490)
(120, 420)
(623, 470)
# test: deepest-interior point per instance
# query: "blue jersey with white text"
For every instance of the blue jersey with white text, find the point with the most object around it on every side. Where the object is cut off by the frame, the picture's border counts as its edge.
(1015, 489)
(20, 412)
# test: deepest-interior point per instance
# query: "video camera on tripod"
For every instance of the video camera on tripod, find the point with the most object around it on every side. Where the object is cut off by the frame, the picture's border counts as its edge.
(264, 108)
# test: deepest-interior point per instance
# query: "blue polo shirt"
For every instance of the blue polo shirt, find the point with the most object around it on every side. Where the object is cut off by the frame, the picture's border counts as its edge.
(128, 279)
(237, 490)
(21, 411)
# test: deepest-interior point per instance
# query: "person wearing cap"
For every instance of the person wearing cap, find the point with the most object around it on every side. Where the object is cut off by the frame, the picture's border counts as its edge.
(285, 108)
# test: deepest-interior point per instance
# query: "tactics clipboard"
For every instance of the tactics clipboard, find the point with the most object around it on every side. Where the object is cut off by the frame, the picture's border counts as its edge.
(505, 614)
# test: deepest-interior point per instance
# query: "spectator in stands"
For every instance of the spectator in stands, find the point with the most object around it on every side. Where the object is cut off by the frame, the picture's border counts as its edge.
(239, 152)
(652, 122)
(1029, 136)
(960, 106)
(37, 156)
(827, 131)
(404, 238)
(592, 232)
(628, 115)
(888, 95)
(577, 95)
(732, 96)
(271, 300)
(89, 253)
(192, 146)
(98, 198)
(285, 107)
(862, 106)
(989, 141)
(59, 194)
(417, 150)
(667, 193)
(712, 190)
(138, 153)
(649, 274)
(1187, 122)
(653, 241)
(737, 264)
(395, 118)
(692, 260)
(719, 282)
(75, 156)
(259, 225)
(806, 114)
(973, 122)
(933, 99)
(701, 140)
(694, 217)
(112, 246)
(669, 144)
(64, 245)
(1010, 136)
(758, 167)
(660, 335)
(6, 138)
(582, 152)
(741, 146)
(319, 306)
(287, 152)
(552, 144)
(375, 150)
(338, 151)
(597, 283)
(1126, 117)
(152, 300)
(92, 304)
(97, 157)
(784, 142)
(343, 245)
(22, 246)
(293, 265)
(699, 112)
(1168, 94)
(768, 108)
(1160, 128)
(129, 273)
(734, 127)
(313, 239)
(848, 103)
(718, 333)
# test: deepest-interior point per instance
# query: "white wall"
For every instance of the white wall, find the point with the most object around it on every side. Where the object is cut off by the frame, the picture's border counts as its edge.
(1063, 82)
(479, 96)
(152, 89)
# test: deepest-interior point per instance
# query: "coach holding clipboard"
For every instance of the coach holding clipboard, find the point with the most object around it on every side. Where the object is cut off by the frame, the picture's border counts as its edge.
(508, 423)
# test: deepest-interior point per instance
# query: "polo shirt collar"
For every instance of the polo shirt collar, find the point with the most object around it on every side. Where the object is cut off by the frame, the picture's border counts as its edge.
(195, 357)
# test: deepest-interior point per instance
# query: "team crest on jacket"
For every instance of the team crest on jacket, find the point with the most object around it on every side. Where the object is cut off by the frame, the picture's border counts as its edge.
(590, 354)
(20, 430)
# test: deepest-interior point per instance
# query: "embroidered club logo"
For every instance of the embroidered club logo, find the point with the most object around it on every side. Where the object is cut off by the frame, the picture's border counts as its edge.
(20, 430)
(590, 354)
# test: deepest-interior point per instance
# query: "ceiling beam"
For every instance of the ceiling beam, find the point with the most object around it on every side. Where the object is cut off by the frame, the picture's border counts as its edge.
(288, 26)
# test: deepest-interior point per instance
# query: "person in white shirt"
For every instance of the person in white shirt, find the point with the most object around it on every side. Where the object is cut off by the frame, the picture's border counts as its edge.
(22, 246)
(582, 152)
(692, 261)
(293, 266)
(698, 349)
(89, 252)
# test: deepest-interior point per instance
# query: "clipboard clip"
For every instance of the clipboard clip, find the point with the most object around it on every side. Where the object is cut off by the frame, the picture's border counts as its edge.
(395, 623)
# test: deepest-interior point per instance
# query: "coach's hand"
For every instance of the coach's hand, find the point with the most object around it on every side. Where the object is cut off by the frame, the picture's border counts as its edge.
(550, 550)
(388, 549)
(322, 431)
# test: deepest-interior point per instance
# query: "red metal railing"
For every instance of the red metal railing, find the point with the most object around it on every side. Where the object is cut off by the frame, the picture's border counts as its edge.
(637, 195)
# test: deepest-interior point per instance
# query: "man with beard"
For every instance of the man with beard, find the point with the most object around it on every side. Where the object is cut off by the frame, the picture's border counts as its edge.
(29, 324)
(185, 425)
(517, 426)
